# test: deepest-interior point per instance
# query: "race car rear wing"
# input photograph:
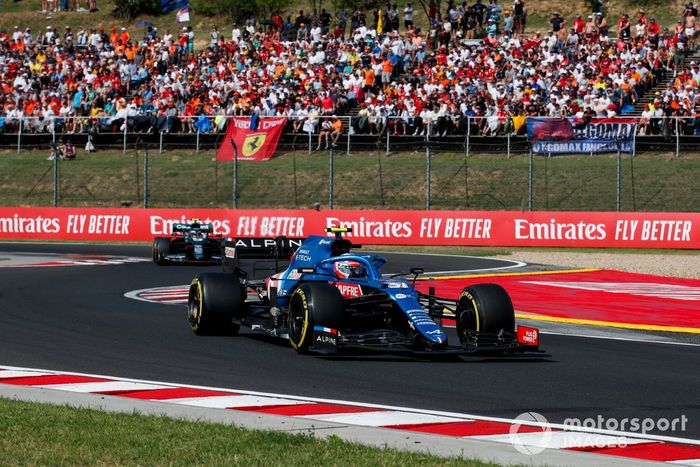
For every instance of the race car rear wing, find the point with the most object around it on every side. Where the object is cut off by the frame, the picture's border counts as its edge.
(180, 227)
(267, 249)
(261, 248)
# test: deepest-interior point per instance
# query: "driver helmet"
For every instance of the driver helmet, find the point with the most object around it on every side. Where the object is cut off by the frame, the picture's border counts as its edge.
(349, 269)
(195, 222)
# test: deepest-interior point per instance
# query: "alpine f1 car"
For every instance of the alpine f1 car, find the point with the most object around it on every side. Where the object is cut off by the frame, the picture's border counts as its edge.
(324, 299)
(193, 242)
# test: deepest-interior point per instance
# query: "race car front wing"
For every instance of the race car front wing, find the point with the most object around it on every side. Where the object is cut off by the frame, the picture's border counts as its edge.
(329, 341)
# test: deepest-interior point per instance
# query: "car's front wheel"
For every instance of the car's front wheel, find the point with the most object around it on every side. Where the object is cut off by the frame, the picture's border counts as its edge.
(313, 304)
(484, 308)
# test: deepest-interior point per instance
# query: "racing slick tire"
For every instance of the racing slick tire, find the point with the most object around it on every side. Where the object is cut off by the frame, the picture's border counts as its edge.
(313, 304)
(161, 247)
(484, 308)
(213, 301)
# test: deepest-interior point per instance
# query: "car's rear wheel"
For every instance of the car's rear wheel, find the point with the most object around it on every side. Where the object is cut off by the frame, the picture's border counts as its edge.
(214, 300)
(484, 308)
(161, 247)
(313, 304)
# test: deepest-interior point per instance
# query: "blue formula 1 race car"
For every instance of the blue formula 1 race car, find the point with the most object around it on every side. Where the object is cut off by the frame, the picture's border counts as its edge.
(192, 242)
(323, 298)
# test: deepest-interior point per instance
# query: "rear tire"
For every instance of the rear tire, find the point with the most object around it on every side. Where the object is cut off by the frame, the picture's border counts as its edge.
(484, 308)
(313, 304)
(213, 301)
(161, 247)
